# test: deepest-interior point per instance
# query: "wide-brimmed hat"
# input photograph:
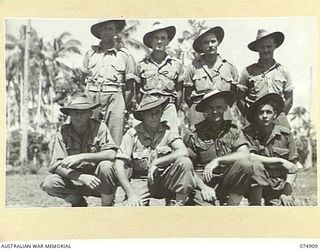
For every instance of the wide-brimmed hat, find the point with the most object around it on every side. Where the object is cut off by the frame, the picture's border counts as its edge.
(262, 33)
(271, 97)
(227, 95)
(96, 28)
(218, 31)
(149, 102)
(79, 102)
(157, 26)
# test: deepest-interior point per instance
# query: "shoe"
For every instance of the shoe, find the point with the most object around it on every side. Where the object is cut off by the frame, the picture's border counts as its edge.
(175, 203)
(82, 203)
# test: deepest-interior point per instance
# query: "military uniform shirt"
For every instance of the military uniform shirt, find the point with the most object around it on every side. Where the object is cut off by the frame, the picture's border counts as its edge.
(203, 79)
(140, 149)
(160, 78)
(112, 67)
(258, 81)
(67, 142)
(204, 144)
(279, 144)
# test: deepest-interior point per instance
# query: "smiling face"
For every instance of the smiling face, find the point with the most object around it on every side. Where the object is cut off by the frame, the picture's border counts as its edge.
(108, 31)
(265, 115)
(159, 40)
(152, 117)
(215, 109)
(266, 48)
(209, 44)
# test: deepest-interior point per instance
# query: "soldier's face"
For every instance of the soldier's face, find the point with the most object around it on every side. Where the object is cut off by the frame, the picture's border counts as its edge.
(152, 117)
(108, 31)
(265, 115)
(266, 48)
(209, 44)
(159, 40)
(80, 117)
(215, 109)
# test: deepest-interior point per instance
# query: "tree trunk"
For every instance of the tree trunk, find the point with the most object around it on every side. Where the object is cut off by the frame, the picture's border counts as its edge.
(24, 107)
(39, 99)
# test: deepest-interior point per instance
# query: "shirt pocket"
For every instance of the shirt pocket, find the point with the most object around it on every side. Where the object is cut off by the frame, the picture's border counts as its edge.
(163, 150)
(205, 150)
(280, 152)
(74, 149)
(201, 82)
(279, 83)
(140, 160)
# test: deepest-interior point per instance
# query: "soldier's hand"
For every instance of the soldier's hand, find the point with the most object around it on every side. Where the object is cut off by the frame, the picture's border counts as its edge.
(90, 181)
(286, 200)
(208, 194)
(134, 201)
(151, 173)
(208, 171)
(71, 161)
(291, 167)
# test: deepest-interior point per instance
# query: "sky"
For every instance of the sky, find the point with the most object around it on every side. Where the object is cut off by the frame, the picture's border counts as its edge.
(298, 53)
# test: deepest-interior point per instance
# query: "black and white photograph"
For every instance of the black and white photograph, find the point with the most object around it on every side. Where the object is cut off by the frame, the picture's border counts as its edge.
(161, 112)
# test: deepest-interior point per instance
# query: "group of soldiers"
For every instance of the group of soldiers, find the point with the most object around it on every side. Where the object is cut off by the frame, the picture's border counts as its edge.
(215, 163)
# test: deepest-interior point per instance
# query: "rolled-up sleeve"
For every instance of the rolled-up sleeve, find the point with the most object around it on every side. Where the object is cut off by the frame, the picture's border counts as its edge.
(189, 142)
(293, 154)
(243, 81)
(126, 148)
(131, 71)
(59, 152)
(288, 87)
(188, 76)
(105, 139)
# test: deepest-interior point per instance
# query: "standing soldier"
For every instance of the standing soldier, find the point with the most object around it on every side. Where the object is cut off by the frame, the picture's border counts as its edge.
(272, 151)
(82, 159)
(109, 74)
(208, 72)
(219, 154)
(160, 74)
(266, 76)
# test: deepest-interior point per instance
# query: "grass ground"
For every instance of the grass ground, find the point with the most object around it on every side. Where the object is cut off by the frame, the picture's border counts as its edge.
(23, 191)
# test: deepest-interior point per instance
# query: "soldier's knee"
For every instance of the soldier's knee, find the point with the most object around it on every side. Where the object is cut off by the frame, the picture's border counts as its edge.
(105, 168)
(49, 184)
(246, 166)
(185, 164)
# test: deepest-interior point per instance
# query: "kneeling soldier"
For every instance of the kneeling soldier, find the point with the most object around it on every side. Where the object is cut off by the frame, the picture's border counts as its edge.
(220, 154)
(83, 155)
(158, 157)
(273, 152)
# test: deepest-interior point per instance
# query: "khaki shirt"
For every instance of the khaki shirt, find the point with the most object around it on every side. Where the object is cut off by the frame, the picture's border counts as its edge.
(258, 81)
(67, 142)
(280, 143)
(205, 144)
(108, 68)
(139, 149)
(203, 79)
(160, 78)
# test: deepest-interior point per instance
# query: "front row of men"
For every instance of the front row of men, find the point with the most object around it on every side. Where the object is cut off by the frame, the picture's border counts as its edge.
(217, 163)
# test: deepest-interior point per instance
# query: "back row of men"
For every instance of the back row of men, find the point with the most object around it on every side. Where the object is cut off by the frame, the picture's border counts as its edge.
(216, 162)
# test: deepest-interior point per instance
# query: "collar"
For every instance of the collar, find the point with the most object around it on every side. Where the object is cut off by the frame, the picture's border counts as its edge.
(274, 65)
(74, 134)
(98, 48)
(205, 127)
(277, 130)
(166, 60)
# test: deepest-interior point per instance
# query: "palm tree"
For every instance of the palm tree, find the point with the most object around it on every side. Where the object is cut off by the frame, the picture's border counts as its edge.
(125, 37)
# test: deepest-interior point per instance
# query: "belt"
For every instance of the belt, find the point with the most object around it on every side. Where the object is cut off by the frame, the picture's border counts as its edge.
(104, 88)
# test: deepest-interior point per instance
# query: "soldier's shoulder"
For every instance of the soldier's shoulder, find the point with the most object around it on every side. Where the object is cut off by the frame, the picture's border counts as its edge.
(283, 130)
